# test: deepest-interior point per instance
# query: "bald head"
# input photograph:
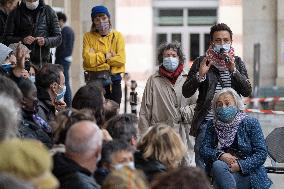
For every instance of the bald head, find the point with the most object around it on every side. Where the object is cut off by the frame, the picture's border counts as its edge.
(83, 137)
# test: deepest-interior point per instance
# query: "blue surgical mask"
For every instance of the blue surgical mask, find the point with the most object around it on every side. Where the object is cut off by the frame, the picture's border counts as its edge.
(225, 46)
(121, 165)
(226, 114)
(61, 94)
(170, 63)
(32, 78)
(7, 67)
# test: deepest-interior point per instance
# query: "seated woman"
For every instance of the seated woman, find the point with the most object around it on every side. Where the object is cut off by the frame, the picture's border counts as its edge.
(159, 150)
(234, 148)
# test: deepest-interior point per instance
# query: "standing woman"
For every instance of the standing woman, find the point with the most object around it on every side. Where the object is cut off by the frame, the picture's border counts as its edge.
(163, 101)
(234, 148)
(104, 54)
(6, 6)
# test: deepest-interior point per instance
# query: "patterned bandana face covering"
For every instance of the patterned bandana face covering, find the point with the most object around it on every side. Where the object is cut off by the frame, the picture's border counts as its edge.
(226, 132)
(103, 27)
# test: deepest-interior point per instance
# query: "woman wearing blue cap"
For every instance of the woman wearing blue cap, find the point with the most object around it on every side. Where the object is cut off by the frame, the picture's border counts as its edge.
(104, 54)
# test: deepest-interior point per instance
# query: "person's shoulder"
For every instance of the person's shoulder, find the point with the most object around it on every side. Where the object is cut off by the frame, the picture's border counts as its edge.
(49, 9)
(250, 122)
(116, 33)
(89, 34)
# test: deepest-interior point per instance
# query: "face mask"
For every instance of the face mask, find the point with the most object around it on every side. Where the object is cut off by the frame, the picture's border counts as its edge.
(119, 166)
(32, 78)
(61, 94)
(103, 27)
(7, 67)
(225, 46)
(170, 63)
(226, 114)
(32, 5)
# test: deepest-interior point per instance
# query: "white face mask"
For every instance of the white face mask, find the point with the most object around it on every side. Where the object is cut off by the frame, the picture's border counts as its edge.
(32, 5)
(226, 47)
(32, 78)
(121, 165)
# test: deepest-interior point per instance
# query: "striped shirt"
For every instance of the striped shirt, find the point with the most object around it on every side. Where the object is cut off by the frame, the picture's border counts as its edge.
(225, 77)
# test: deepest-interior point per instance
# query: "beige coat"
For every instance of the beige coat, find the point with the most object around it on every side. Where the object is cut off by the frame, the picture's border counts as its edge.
(163, 102)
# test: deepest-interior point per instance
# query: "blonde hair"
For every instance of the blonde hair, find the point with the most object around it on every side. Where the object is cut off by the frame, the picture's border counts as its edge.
(162, 143)
(125, 179)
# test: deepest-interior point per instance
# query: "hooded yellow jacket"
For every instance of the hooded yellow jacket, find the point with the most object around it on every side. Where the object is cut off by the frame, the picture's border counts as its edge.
(95, 47)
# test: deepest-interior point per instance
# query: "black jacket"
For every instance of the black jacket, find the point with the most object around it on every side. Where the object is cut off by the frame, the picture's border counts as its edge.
(71, 175)
(29, 129)
(46, 110)
(207, 88)
(3, 18)
(150, 167)
(41, 22)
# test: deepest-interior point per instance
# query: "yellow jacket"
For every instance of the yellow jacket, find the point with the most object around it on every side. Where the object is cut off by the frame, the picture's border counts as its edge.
(95, 47)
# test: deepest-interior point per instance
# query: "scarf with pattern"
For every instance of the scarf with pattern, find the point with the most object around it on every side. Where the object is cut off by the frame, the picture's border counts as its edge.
(216, 57)
(226, 132)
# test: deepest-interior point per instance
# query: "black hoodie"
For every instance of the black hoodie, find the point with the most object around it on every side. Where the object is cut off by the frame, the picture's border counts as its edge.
(71, 175)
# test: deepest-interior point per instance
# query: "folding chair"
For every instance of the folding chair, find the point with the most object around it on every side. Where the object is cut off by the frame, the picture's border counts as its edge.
(275, 145)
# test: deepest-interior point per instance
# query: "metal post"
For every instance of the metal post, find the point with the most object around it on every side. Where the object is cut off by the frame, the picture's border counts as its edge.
(256, 69)
(133, 97)
(126, 78)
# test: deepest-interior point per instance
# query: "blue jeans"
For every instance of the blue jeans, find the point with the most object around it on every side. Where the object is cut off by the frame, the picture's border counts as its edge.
(66, 65)
(224, 179)
(198, 141)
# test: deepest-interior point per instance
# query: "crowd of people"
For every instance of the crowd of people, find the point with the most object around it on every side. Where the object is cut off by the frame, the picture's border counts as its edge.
(50, 140)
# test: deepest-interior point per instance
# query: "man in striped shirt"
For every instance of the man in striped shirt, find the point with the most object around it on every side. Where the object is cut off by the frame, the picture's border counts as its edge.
(218, 69)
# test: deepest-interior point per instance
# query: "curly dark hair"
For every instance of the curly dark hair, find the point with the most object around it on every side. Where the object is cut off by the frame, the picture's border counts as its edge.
(176, 46)
(220, 27)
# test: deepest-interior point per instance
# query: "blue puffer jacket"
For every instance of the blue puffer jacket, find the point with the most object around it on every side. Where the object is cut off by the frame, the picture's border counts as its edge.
(250, 142)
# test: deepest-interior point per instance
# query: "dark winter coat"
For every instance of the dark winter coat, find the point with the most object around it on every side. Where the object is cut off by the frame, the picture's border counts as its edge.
(71, 175)
(41, 22)
(150, 167)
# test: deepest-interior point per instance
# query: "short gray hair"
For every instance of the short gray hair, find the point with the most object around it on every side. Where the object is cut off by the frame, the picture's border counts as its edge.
(9, 117)
(238, 100)
(83, 144)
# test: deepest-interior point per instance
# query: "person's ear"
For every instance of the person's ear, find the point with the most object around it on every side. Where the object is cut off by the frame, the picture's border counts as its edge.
(133, 141)
(53, 87)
